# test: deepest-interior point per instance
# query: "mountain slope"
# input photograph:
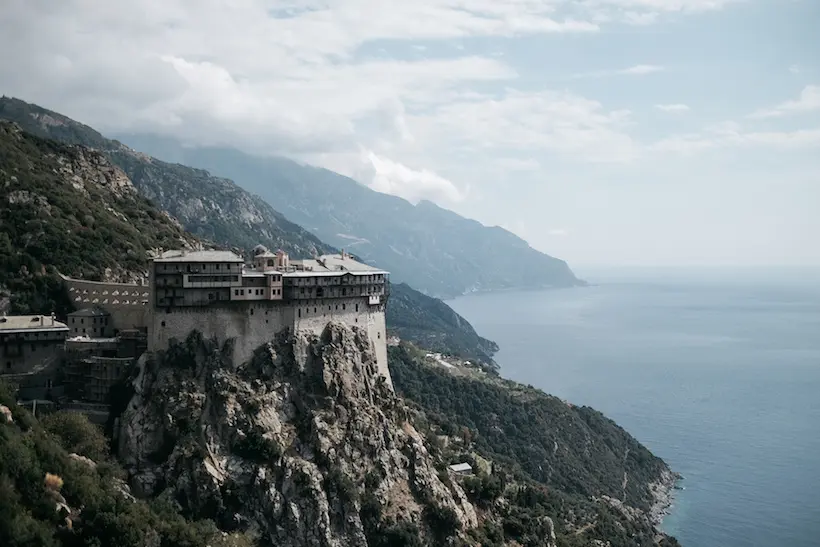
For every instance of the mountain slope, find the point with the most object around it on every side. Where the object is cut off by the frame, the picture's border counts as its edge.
(201, 200)
(68, 209)
(213, 208)
(432, 249)
(433, 325)
(597, 483)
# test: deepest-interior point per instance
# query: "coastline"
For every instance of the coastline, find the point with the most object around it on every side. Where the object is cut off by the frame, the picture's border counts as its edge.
(663, 496)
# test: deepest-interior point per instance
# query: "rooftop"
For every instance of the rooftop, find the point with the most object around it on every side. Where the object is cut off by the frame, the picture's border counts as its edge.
(199, 256)
(461, 467)
(89, 312)
(337, 263)
(27, 323)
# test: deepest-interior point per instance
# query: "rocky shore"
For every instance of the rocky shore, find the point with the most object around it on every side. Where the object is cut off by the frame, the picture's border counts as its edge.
(663, 495)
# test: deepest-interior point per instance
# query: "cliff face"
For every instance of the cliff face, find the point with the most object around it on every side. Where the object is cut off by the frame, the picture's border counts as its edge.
(301, 445)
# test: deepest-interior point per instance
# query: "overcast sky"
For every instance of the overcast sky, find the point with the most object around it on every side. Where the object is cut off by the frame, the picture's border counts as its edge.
(668, 132)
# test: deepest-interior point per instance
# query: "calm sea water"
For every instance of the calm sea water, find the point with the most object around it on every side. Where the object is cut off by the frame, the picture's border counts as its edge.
(720, 376)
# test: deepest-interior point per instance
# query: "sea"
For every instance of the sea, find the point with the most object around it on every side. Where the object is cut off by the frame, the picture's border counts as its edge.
(716, 372)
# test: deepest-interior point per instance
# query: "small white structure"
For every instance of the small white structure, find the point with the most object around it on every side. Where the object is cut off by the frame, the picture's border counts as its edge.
(462, 468)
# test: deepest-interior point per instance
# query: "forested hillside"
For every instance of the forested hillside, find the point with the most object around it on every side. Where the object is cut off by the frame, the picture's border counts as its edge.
(66, 208)
(567, 462)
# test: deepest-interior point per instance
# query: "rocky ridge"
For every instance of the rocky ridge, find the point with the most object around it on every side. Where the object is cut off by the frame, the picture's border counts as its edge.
(302, 445)
(212, 208)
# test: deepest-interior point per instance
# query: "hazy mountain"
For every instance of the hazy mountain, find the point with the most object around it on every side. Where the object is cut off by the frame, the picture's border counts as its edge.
(435, 250)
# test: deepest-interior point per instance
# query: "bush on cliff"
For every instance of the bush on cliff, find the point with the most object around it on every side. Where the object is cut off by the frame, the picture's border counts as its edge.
(93, 507)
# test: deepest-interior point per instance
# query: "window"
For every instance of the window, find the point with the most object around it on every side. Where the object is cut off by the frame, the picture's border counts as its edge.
(217, 266)
(343, 306)
(299, 312)
(72, 320)
(357, 307)
(251, 311)
(8, 365)
(210, 296)
(314, 310)
(236, 292)
(82, 321)
(163, 323)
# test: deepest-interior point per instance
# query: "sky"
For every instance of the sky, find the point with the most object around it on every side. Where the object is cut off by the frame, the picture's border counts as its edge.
(621, 132)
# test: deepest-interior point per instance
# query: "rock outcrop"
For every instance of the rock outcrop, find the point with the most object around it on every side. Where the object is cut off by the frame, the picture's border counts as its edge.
(301, 445)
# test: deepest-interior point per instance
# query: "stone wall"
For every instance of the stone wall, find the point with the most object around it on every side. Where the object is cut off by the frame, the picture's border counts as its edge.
(252, 324)
(129, 305)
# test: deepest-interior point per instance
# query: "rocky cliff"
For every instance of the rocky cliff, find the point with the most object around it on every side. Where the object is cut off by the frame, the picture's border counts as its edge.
(301, 445)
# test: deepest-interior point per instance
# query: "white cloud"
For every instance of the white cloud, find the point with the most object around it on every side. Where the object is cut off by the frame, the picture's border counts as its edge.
(296, 77)
(641, 69)
(794, 69)
(731, 134)
(674, 107)
(391, 177)
(558, 122)
(558, 232)
(636, 70)
(808, 101)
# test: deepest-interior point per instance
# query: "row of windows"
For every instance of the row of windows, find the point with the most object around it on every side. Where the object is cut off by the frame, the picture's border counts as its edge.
(257, 292)
(197, 267)
(103, 320)
(360, 291)
(345, 280)
(316, 309)
(213, 278)
(28, 335)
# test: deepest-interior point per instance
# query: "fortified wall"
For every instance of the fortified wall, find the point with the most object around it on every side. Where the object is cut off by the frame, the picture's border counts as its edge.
(253, 324)
(215, 293)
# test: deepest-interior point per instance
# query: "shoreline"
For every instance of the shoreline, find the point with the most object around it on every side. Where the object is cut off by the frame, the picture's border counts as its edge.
(664, 497)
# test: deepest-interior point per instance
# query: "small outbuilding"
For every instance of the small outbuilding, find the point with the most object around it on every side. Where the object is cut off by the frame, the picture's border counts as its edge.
(462, 468)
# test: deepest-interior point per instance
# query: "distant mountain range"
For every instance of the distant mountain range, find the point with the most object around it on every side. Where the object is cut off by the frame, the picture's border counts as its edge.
(433, 249)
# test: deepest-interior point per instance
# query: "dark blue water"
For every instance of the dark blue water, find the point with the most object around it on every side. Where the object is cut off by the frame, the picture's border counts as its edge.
(719, 378)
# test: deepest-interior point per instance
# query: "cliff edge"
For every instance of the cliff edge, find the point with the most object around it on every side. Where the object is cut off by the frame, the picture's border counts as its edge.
(303, 444)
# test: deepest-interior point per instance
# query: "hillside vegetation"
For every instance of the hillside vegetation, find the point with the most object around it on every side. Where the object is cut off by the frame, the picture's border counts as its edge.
(66, 208)
(59, 487)
(569, 463)
(432, 324)
(210, 207)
